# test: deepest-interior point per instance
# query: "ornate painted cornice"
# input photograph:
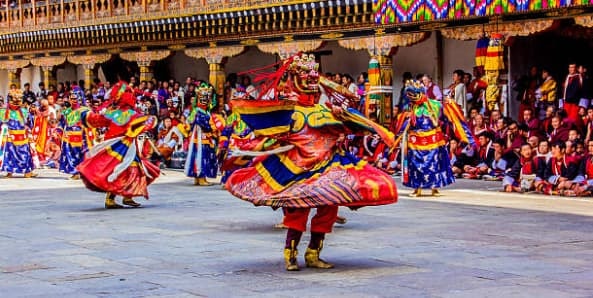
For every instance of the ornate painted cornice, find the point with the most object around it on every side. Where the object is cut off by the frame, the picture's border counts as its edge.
(13, 65)
(524, 28)
(144, 58)
(48, 61)
(585, 21)
(89, 59)
(214, 54)
(286, 49)
(382, 45)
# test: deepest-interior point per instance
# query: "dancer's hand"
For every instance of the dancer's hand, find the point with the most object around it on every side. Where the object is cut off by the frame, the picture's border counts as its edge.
(337, 110)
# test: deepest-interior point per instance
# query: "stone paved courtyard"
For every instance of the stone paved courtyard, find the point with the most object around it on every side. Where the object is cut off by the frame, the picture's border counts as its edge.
(57, 241)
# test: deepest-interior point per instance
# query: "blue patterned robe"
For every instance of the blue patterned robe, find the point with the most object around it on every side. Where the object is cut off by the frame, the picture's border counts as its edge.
(427, 163)
(74, 142)
(201, 157)
(17, 156)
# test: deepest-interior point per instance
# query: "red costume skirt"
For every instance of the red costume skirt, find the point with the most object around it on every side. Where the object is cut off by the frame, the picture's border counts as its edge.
(345, 181)
(114, 166)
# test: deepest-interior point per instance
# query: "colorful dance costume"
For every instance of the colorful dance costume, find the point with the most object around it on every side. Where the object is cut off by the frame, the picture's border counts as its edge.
(236, 135)
(426, 163)
(115, 166)
(201, 157)
(305, 168)
(74, 142)
(17, 157)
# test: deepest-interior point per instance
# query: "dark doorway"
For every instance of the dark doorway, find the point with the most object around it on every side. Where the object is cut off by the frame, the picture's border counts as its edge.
(118, 69)
(552, 49)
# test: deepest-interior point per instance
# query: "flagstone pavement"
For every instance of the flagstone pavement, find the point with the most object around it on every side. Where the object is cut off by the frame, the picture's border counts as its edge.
(56, 240)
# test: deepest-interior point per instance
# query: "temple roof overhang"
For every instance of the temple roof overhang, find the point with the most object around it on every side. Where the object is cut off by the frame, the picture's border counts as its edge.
(248, 23)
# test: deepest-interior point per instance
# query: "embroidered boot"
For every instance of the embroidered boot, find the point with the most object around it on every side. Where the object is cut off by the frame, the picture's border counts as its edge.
(290, 257)
(203, 182)
(312, 259)
(293, 237)
(416, 193)
(110, 202)
(130, 202)
(30, 175)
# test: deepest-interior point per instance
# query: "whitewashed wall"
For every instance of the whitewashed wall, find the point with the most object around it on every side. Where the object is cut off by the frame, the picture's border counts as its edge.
(250, 59)
(343, 60)
(68, 72)
(31, 75)
(419, 58)
(181, 66)
(4, 83)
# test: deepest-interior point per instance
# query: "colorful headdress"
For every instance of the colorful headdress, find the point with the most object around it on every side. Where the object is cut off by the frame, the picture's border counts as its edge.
(413, 90)
(78, 94)
(123, 95)
(15, 97)
(304, 62)
(119, 89)
(205, 96)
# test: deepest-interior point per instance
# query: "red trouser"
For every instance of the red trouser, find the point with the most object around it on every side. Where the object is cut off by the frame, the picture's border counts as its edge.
(322, 222)
(572, 111)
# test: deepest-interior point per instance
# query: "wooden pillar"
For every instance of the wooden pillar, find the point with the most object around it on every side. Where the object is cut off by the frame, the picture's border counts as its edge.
(89, 74)
(217, 77)
(14, 77)
(386, 104)
(146, 72)
(48, 77)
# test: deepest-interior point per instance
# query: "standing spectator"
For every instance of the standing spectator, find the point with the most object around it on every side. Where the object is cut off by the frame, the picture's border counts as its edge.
(188, 82)
(432, 90)
(572, 93)
(163, 96)
(477, 87)
(526, 87)
(361, 81)
(402, 104)
(546, 93)
(586, 91)
(589, 124)
(250, 90)
(42, 93)
(457, 91)
(107, 87)
(28, 96)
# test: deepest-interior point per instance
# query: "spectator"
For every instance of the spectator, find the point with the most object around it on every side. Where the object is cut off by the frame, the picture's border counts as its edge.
(29, 96)
(531, 122)
(457, 92)
(546, 93)
(559, 130)
(562, 172)
(432, 90)
(484, 158)
(572, 92)
(522, 175)
(477, 87)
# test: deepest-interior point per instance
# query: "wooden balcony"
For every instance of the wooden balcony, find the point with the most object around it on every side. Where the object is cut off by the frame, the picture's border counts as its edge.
(54, 26)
